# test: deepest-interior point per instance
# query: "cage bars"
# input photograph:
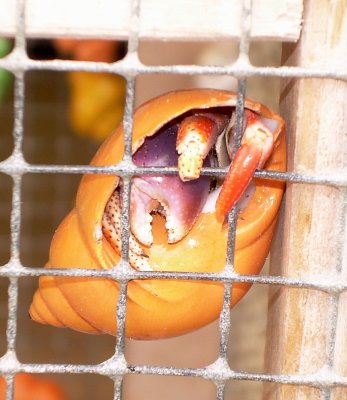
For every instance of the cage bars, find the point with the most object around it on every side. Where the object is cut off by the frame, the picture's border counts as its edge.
(125, 194)
(225, 318)
(116, 367)
(133, 66)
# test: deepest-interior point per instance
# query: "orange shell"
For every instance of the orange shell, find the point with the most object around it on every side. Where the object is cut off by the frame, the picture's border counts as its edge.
(156, 308)
(32, 387)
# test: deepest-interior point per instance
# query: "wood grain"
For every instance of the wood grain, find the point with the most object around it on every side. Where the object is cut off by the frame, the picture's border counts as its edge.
(169, 19)
(312, 245)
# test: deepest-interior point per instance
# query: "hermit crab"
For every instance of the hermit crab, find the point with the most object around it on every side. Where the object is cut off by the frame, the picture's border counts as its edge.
(177, 221)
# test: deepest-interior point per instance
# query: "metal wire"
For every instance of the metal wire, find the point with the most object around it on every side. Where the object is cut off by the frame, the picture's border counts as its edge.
(15, 166)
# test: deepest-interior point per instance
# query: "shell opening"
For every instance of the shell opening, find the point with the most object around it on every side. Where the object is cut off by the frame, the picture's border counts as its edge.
(179, 201)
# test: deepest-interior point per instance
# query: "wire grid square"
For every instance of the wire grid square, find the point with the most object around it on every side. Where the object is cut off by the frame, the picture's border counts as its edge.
(15, 166)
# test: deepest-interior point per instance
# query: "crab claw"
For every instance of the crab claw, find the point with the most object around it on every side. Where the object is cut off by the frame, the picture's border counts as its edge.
(256, 146)
(180, 202)
(111, 228)
(195, 137)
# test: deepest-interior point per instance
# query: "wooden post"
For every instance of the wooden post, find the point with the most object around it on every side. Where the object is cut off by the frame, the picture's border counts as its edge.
(187, 20)
(312, 240)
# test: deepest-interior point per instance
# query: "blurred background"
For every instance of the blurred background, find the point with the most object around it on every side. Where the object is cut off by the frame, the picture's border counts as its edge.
(66, 117)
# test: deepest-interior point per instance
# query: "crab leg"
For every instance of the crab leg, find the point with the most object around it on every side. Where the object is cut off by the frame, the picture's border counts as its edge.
(195, 137)
(256, 146)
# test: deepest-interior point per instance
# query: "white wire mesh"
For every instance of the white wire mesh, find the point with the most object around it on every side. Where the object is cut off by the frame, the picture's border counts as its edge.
(16, 167)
